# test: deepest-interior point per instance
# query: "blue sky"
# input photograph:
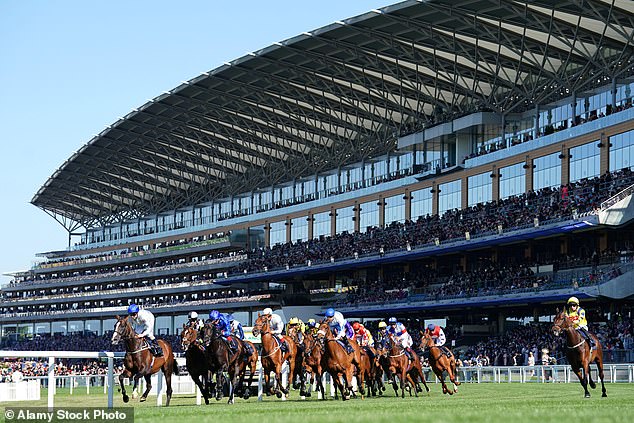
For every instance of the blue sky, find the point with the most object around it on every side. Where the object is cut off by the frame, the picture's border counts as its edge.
(68, 69)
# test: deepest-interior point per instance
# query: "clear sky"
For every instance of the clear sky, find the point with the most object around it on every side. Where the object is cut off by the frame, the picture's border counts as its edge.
(69, 68)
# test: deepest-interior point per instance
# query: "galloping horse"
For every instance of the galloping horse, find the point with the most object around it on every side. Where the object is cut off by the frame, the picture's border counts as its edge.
(339, 363)
(139, 362)
(294, 334)
(312, 366)
(272, 356)
(251, 362)
(396, 363)
(440, 363)
(579, 354)
(196, 362)
(221, 359)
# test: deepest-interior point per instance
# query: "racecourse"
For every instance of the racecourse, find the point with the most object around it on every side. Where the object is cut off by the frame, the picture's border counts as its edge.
(490, 402)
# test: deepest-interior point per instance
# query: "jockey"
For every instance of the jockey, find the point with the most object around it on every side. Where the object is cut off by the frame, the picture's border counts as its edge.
(438, 335)
(578, 317)
(193, 321)
(299, 326)
(277, 328)
(222, 322)
(236, 327)
(362, 335)
(381, 336)
(144, 327)
(311, 327)
(398, 331)
(339, 326)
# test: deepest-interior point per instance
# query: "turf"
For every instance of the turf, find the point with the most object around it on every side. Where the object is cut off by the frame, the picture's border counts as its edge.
(473, 403)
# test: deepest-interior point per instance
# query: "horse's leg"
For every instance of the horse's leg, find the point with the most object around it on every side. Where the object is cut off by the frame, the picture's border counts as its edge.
(599, 362)
(582, 379)
(279, 389)
(267, 381)
(219, 384)
(123, 375)
(167, 369)
(148, 386)
(198, 380)
(454, 373)
(135, 384)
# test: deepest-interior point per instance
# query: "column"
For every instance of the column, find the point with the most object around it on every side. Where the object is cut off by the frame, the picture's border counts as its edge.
(501, 322)
(495, 184)
(604, 153)
(333, 222)
(565, 165)
(529, 166)
(434, 201)
(536, 117)
(408, 205)
(357, 217)
(381, 205)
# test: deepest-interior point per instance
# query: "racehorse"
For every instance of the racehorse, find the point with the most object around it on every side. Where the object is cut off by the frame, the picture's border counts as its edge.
(196, 362)
(221, 359)
(251, 362)
(367, 356)
(272, 356)
(298, 338)
(312, 366)
(339, 363)
(396, 363)
(440, 363)
(579, 354)
(139, 362)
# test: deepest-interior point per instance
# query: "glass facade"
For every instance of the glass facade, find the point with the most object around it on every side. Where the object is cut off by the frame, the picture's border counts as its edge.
(421, 204)
(369, 215)
(321, 224)
(480, 189)
(512, 180)
(394, 209)
(344, 222)
(278, 233)
(585, 162)
(450, 196)
(622, 151)
(299, 229)
(547, 172)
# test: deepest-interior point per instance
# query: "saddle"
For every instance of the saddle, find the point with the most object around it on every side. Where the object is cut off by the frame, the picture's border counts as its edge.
(153, 346)
(346, 346)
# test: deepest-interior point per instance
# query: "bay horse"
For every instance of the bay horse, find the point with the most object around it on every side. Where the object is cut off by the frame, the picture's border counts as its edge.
(299, 376)
(579, 354)
(251, 363)
(272, 356)
(221, 359)
(339, 363)
(440, 363)
(312, 366)
(196, 362)
(139, 362)
(395, 363)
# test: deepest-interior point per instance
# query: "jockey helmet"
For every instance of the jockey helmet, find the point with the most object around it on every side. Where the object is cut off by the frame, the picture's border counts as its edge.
(214, 315)
(573, 300)
(392, 320)
(382, 325)
(311, 323)
(294, 321)
(356, 326)
(133, 308)
(431, 326)
(267, 311)
(330, 312)
(192, 315)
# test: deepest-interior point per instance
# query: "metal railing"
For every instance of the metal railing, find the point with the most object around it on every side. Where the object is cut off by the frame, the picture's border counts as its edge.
(618, 197)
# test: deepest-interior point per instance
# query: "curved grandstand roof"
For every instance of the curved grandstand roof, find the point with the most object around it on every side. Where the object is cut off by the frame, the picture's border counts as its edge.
(338, 95)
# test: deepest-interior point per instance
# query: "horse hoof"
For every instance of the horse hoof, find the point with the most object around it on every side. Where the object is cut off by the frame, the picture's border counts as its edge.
(587, 395)
(142, 399)
(135, 395)
(279, 395)
(605, 395)
(230, 401)
(126, 398)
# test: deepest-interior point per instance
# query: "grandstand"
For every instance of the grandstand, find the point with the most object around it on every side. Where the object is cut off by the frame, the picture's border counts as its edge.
(466, 161)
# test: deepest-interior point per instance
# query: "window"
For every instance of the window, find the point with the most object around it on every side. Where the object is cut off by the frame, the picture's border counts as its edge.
(449, 197)
(344, 221)
(299, 229)
(421, 203)
(547, 172)
(369, 215)
(480, 189)
(394, 209)
(512, 180)
(278, 233)
(584, 162)
(622, 151)
(321, 225)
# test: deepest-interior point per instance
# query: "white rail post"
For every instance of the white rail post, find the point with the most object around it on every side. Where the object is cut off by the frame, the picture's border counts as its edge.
(159, 388)
(72, 382)
(110, 379)
(87, 385)
(51, 383)
(332, 386)
(260, 384)
(285, 379)
(198, 396)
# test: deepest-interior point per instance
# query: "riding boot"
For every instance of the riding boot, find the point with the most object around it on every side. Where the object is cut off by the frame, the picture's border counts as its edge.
(157, 351)
(346, 342)
(408, 353)
(588, 338)
(283, 345)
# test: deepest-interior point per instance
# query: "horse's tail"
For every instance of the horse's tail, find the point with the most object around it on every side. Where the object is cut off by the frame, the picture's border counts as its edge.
(175, 368)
